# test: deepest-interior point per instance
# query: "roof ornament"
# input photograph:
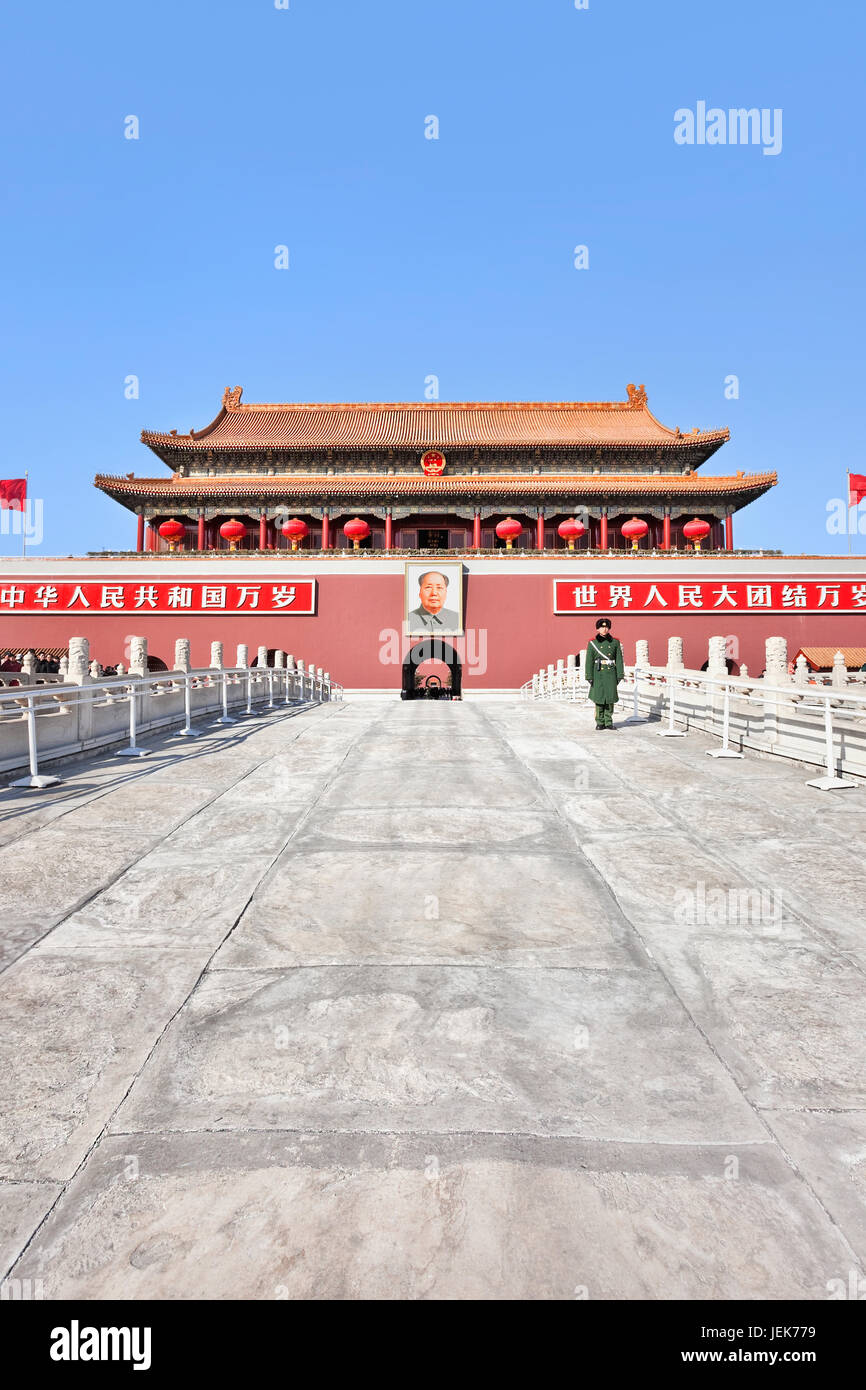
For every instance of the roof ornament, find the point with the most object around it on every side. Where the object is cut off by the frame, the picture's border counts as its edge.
(232, 398)
(637, 397)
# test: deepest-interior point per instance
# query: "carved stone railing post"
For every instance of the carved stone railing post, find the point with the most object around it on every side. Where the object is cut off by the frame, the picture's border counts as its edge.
(717, 666)
(243, 656)
(775, 673)
(675, 653)
(839, 677)
(776, 662)
(138, 656)
(216, 656)
(78, 673)
(181, 654)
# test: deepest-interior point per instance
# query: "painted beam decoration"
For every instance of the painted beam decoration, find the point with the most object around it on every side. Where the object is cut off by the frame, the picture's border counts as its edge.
(297, 596)
(727, 595)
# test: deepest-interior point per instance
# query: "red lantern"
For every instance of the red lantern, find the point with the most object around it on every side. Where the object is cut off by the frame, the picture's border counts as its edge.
(357, 531)
(233, 531)
(508, 531)
(633, 530)
(696, 531)
(571, 531)
(172, 531)
(295, 530)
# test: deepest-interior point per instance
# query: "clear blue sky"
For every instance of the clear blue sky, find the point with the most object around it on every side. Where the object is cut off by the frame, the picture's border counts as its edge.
(412, 257)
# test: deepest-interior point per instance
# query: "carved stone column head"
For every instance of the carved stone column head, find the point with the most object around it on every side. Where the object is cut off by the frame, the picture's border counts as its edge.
(79, 661)
(675, 653)
(243, 656)
(776, 662)
(840, 671)
(716, 663)
(262, 657)
(181, 654)
(216, 656)
(138, 656)
(641, 653)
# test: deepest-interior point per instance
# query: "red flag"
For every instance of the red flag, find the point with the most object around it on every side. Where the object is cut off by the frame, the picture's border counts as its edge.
(856, 488)
(14, 490)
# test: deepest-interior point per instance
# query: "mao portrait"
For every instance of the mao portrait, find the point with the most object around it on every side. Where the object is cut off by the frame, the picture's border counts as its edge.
(434, 599)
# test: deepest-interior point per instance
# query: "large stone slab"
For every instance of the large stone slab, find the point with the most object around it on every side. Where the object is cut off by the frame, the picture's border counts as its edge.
(830, 1151)
(22, 1206)
(665, 876)
(138, 806)
(273, 1216)
(51, 872)
(411, 906)
(415, 783)
(88, 1021)
(437, 827)
(440, 1049)
(823, 882)
(786, 1015)
(175, 898)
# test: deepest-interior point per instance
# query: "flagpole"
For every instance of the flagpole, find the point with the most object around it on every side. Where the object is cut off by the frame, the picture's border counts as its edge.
(24, 518)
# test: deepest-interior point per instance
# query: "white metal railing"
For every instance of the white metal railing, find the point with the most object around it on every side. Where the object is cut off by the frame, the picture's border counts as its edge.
(40, 703)
(666, 691)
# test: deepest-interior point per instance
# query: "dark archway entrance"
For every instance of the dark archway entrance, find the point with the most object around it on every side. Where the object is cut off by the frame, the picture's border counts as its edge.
(431, 649)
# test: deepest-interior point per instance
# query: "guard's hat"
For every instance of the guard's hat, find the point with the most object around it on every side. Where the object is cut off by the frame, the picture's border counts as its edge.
(602, 622)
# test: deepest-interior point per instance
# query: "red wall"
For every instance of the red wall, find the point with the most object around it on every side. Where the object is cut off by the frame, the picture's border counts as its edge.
(509, 621)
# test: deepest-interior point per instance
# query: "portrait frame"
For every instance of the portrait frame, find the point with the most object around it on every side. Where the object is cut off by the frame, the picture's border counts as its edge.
(416, 624)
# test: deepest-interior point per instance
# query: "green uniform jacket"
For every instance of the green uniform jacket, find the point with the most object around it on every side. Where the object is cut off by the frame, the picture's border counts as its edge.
(604, 679)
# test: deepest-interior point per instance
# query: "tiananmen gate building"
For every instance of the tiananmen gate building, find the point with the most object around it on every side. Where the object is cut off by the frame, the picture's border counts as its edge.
(316, 530)
(538, 463)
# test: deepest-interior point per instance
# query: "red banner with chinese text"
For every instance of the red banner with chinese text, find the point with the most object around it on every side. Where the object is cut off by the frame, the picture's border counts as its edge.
(708, 596)
(297, 597)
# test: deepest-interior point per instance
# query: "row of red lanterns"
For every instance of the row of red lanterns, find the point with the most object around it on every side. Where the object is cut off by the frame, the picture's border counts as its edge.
(508, 530)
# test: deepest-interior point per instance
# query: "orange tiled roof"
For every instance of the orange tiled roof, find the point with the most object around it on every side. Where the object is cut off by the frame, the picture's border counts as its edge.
(306, 485)
(435, 424)
(821, 658)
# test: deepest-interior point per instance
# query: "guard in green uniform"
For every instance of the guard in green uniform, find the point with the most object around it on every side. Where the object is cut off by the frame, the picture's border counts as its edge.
(604, 670)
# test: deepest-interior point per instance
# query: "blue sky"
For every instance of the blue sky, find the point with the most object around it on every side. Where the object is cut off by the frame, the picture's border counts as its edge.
(411, 257)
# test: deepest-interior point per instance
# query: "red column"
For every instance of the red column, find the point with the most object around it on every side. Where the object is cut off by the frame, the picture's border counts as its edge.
(539, 532)
(139, 538)
(199, 539)
(476, 530)
(388, 529)
(263, 531)
(729, 531)
(666, 532)
(326, 530)
(602, 540)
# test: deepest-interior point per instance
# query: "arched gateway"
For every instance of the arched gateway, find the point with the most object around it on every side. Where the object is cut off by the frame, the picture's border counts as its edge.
(431, 649)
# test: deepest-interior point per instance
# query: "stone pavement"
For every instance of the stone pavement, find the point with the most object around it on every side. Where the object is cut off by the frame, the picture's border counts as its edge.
(414, 1000)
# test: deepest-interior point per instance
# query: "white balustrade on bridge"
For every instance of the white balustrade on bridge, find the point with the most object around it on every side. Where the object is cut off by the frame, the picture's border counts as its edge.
(818, 720)
(47, 717)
